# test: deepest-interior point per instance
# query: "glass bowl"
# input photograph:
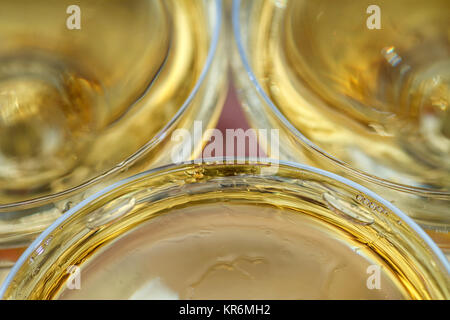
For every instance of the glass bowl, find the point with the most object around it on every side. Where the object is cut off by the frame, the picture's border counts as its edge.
(232, 230)
(314, 133)
(145, 97)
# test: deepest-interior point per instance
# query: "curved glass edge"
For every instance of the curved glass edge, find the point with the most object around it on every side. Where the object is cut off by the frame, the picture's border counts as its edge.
(218, 6)
(236, 8)
(37, 242)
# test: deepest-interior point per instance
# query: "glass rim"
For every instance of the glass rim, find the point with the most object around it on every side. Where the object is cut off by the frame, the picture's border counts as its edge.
(236, 8)
(154, 141)
(155, 172)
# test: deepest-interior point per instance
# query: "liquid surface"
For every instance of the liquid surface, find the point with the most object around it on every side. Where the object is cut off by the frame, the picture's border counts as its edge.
(375, 99)
(231, 252)
(75, 103)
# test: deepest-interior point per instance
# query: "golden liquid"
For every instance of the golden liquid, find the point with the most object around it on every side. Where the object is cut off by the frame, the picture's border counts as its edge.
(229, 231)
(75, 103)
(232, 252)
(376, 99)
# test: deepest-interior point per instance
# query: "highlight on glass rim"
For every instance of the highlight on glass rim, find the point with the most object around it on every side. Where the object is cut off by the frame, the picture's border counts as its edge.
(239, 153)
